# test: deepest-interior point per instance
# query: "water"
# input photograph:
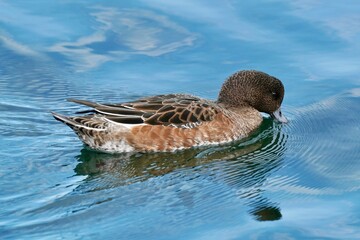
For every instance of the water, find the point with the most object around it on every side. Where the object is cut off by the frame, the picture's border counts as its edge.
(294, 181)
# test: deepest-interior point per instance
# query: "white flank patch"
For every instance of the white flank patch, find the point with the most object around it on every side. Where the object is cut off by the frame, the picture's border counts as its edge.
(121, 146)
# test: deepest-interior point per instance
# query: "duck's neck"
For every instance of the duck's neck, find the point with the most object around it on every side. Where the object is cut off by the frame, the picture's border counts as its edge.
(245, 118)
(234, 106)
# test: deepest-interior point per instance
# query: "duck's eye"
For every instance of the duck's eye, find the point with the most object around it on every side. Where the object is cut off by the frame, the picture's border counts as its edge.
(275, 95)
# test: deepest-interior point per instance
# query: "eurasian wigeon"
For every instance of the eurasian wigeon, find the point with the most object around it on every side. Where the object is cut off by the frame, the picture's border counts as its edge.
(179, 121)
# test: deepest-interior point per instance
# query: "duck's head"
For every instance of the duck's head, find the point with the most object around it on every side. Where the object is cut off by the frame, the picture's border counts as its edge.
(256, 89)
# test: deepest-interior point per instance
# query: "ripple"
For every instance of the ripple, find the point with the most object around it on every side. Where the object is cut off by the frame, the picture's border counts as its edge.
(324, 145)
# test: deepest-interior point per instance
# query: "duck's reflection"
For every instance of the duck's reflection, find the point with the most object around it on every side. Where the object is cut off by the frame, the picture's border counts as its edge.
(245, 166)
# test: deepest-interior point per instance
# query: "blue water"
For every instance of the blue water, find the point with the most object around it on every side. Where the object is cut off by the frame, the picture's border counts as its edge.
(294, 181)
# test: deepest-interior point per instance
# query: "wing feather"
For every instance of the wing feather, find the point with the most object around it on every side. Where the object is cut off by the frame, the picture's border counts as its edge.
(169, 110)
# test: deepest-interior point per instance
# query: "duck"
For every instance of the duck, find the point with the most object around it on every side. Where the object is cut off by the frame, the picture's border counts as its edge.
(171, 122)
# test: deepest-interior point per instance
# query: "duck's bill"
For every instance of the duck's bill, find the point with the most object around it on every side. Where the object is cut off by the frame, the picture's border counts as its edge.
(279, 116)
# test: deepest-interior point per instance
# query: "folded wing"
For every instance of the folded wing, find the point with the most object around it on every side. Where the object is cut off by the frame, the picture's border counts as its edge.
(175, 110)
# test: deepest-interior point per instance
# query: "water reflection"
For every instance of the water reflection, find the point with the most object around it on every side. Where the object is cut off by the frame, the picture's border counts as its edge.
(244, 166)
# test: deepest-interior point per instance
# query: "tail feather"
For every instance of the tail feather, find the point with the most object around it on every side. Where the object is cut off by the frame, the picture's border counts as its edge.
(84, 122)
(83, 102)
(67, 120)
(86, 129)
(64, 119)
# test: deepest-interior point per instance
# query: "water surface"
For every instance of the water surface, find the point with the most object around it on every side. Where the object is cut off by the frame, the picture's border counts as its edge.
(294, 181)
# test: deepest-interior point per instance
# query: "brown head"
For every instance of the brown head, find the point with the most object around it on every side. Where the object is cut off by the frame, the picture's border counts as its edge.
(255, 89)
